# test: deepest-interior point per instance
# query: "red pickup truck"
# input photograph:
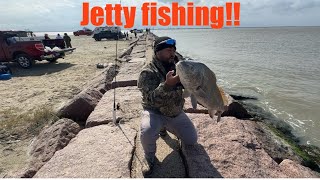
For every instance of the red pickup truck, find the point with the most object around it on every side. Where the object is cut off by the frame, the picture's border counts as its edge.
(86, 32)
(24, 52)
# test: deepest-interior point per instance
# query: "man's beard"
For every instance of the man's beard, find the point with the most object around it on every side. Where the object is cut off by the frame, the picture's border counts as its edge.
(169, 60)
(168, 65)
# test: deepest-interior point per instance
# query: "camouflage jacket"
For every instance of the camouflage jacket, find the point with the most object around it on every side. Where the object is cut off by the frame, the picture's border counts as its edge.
(156, 95)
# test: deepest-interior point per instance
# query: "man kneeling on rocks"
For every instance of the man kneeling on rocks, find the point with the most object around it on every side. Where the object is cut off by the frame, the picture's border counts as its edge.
(162, 102)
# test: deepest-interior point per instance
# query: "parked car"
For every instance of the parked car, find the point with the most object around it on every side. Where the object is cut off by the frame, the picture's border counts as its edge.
(86, 32)
(136, 30)
(108, 32)
(23, 51)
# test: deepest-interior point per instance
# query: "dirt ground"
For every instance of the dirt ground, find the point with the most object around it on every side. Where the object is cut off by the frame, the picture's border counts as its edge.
(47, 85)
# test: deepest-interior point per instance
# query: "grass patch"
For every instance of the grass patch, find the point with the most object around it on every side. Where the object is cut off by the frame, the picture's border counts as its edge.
(18, 126)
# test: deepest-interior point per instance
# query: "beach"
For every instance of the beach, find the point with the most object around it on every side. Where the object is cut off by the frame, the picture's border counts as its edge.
(46, 86)
(51, 84)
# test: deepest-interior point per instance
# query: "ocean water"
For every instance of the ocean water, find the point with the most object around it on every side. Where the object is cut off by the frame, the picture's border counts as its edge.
(280, 66)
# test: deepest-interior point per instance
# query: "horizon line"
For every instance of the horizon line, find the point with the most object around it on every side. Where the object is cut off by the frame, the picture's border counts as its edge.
(169, 28)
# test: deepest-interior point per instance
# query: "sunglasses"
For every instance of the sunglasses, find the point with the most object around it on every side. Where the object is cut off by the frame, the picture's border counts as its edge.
(168, 42)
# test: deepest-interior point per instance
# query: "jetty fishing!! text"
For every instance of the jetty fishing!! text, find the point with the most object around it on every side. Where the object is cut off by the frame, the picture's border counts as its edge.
(152, 15)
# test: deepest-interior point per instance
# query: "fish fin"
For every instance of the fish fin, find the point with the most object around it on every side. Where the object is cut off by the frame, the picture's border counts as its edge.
(194, 101)
(223, 96)
(186, 94)
(219, 116)
(211, 112)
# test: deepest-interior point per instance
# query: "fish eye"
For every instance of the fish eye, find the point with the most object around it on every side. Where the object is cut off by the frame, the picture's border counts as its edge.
(198, 87)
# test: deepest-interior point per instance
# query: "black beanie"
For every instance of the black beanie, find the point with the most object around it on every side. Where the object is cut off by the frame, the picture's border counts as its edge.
(158, 47)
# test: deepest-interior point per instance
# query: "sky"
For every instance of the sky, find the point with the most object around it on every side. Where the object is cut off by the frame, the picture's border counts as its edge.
(66, 15)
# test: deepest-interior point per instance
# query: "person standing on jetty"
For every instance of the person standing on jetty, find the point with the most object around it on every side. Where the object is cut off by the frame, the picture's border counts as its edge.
(135, 33)
(46, 36)
(58, 36)
(67, 40)
(162, 102)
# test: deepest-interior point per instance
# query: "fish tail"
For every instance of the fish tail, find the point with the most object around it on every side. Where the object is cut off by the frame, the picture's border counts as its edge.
(223, 96)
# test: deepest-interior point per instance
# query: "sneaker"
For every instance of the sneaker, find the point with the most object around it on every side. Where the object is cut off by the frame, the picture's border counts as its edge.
(147, 166)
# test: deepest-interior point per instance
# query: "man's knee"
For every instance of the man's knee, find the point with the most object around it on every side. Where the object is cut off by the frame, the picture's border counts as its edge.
(150, 127)
(148, 131)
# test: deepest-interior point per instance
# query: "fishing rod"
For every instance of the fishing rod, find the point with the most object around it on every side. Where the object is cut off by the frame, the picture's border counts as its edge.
(115, 80)
(114, 88)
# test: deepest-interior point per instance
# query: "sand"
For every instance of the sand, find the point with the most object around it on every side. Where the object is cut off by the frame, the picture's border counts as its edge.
(52, 84)
(49, 85)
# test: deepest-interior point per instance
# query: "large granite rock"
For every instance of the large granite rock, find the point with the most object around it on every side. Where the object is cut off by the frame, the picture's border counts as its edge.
(49, 141)
(235, 109)
(128, 50)
(139, 48)
(128, 74)
(117, 84)
(139, 51)
(232, 149)
(228, 149)
(131, 70)
(128, 101)
(99, 152)
(277, 148)
(133, 42)
(106, 76)
(294, 170)
(80, 107)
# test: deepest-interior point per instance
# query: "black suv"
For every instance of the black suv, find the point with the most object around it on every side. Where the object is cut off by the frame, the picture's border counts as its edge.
(108, 35)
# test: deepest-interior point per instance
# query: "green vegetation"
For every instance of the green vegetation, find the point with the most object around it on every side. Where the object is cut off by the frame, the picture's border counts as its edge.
(17, 126)
(309, 154)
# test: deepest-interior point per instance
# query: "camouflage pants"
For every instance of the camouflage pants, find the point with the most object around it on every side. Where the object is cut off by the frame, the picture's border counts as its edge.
(151, 124)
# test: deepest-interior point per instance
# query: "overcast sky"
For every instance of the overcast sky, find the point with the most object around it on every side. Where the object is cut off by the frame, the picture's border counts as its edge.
(65, 15)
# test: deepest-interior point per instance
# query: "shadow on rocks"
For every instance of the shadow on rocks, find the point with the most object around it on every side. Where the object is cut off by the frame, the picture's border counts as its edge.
(172, 143)
(195, 159)
(168, 167)
(171, 165)
(198, 163)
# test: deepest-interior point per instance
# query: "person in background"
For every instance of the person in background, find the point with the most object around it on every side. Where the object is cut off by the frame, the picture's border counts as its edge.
(46, 36)
(59, 37)
(67, 40)
(11, 40)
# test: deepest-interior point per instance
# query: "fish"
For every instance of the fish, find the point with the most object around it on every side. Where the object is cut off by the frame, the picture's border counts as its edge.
(200, 84)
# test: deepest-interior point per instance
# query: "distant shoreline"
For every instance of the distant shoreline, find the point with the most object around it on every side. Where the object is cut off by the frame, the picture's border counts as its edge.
(173, 28)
